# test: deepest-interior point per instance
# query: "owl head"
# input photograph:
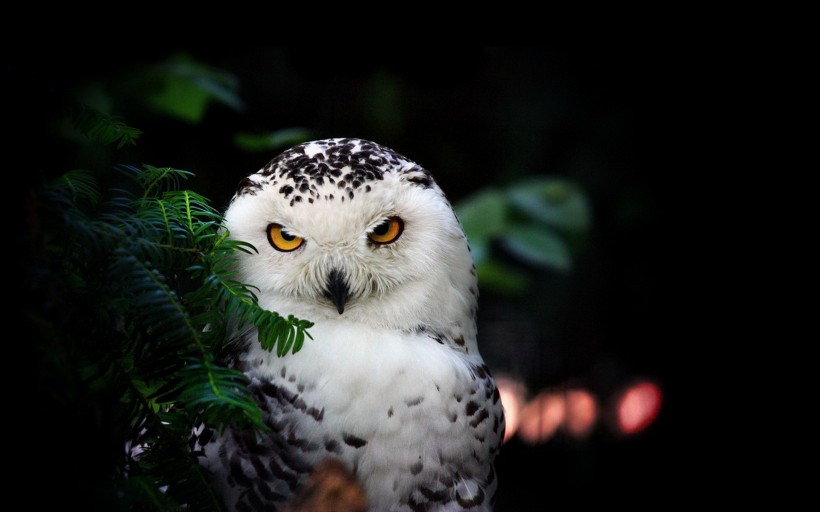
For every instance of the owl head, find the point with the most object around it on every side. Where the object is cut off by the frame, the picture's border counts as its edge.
(347, 229)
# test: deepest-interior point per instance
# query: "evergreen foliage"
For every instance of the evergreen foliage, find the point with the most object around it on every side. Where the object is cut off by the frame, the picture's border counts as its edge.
(140, 303)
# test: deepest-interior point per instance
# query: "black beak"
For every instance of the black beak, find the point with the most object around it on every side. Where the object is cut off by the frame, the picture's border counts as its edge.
(337, 290)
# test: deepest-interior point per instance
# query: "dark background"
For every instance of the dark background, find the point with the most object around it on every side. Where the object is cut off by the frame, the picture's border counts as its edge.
(613, 119)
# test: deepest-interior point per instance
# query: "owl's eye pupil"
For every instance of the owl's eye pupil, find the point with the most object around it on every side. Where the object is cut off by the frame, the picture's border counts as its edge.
(288, 237)
(382, 228)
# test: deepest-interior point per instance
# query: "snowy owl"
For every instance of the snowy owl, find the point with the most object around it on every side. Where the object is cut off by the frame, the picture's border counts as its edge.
(361, 241)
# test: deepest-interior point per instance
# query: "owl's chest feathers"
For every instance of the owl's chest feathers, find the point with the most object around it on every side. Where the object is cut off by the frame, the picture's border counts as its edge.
(406, 412)
(379, 394)
(351, 368)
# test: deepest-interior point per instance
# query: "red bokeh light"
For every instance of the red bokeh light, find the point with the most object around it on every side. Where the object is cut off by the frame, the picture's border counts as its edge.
(541, 417)
(638, 407)
(576, 411)
(582, 412)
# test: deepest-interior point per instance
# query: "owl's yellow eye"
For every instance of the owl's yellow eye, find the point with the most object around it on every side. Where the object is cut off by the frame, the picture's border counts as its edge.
(282, 241)
(387, 232)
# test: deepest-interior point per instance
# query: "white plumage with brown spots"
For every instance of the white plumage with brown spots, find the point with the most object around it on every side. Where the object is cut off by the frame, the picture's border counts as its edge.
(362, 242)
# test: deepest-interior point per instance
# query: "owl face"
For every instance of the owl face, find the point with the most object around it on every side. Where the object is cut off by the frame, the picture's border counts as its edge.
(347, 229)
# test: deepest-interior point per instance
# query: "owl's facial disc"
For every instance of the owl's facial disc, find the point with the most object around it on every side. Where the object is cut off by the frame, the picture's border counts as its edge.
(337, 287)
(349, 230)
(340, 261)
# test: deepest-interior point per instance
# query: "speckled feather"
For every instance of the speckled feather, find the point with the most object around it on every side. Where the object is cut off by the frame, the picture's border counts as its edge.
(395, 387)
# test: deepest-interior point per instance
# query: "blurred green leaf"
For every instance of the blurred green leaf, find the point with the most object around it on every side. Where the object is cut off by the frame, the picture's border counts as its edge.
(104, 128)
(538, 245)
(274, 141)
(480, 251)
(483, 216)
(556, 202)
(188, 87)
(181, 99)
(501, 278)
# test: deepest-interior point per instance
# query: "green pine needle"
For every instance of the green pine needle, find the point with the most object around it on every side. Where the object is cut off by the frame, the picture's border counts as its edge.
(104, 128)
(145, 282)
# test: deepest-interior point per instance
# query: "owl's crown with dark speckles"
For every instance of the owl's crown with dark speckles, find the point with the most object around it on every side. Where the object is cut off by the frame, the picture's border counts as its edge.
(350, 165)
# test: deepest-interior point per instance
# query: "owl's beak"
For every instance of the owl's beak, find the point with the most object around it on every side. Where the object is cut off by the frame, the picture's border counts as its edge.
(337, 290)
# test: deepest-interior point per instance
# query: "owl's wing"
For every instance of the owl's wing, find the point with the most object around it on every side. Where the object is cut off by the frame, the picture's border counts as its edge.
(261, 471)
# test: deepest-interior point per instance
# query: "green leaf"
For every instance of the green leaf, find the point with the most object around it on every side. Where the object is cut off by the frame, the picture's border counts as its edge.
(282, 337)
(538, 245)
(80, 184)
(188, 87)
(300, 340)
(556, 202)
(493, 275)
(104, 128)
(289, 340)
(274, 141)
(272, 334)
(483, 215)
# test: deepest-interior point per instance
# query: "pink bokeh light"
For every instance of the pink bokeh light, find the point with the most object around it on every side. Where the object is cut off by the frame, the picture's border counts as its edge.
(638, 407)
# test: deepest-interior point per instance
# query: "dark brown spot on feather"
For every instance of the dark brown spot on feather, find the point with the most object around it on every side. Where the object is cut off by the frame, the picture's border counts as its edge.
(478, 499)
(424, 181)
(434, 496)
(282, 474)
(261, 471)
(351, 440)
(416, 506)
(237, 472)
(415, 401)
(483, 415)
(247, 186)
